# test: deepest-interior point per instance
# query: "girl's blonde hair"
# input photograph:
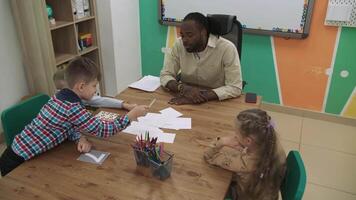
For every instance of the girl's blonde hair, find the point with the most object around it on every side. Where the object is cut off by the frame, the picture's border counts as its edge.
(269, 170)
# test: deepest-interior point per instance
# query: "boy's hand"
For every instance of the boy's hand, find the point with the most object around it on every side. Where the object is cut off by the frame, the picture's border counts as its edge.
(128, 106)
(84, 146)
(137, 111)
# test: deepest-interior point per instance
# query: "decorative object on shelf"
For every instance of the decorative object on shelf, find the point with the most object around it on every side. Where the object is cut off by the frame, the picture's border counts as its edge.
(50, 14)
(81, 8)
(85, 40)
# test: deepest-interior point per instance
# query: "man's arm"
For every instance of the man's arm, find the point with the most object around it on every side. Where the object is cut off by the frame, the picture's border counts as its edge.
(233, 79)
(172, 86)
(171, 68)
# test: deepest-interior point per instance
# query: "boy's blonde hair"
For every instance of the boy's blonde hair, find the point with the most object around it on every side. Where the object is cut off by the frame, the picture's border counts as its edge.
(81, 69)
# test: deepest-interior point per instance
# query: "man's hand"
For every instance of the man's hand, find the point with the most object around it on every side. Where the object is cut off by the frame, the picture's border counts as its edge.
(194, 94)
(180, 101)
(84, 146)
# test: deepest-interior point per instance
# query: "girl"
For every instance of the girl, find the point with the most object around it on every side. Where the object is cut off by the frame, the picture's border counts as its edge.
(254, 154)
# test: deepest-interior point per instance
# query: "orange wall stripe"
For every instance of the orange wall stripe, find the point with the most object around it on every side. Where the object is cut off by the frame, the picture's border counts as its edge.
(302, 63)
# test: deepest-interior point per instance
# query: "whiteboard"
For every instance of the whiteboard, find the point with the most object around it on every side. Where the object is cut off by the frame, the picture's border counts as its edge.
(352, 22)
(288, 18)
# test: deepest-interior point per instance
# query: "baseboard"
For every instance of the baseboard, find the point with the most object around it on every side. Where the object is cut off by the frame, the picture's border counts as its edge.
(309, 114)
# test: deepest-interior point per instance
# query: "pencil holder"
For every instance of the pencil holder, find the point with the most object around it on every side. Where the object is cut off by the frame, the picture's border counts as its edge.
(162, 169)
(141, 158)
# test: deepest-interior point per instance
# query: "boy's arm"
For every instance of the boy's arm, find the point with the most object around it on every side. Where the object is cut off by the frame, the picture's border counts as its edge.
(86, 122)
(107, 102)
(74, 135)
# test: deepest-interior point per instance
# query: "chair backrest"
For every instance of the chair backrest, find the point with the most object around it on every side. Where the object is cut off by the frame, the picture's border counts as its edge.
(15, 118)
(293, 185)
(229, 28)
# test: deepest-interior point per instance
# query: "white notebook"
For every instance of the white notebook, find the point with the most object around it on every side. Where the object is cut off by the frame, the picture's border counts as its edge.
(147, 83)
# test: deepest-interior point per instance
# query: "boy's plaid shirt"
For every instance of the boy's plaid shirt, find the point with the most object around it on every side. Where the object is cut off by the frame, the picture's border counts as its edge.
(62, 117)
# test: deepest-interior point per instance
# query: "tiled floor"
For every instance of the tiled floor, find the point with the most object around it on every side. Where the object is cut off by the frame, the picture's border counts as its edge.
(328, 150)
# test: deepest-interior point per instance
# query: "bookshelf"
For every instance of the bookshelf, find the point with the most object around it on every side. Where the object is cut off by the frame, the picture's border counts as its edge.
(48, 46)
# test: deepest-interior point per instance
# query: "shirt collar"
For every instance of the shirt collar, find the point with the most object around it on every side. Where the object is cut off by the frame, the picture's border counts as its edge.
(212, 40)
(68, 95)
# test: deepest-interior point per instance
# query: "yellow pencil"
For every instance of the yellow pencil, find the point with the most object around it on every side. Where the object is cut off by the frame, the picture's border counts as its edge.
(152, 102)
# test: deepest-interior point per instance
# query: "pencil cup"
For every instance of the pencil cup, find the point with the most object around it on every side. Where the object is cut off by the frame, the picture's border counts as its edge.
(162, 170)
(141, 158)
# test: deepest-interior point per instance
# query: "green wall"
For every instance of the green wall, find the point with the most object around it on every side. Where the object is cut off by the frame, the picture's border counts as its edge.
(341, 88)
(258, 67)
(257, 60)
(153, 38)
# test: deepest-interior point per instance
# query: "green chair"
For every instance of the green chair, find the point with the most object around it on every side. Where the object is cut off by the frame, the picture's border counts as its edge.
(15, 118)
(293, 185)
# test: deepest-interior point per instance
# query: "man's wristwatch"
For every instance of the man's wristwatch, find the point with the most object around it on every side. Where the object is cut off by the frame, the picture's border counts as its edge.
(181, 89)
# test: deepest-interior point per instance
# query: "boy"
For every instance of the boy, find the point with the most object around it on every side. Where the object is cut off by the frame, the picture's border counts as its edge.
(64, 117)
(96, 101)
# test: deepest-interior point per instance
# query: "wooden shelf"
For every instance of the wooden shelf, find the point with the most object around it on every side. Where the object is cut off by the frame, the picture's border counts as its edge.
(87, 26)
(88, 50)
(59, 41)
(84, 19)
(60, 24)
(62, 58)
(93, 55)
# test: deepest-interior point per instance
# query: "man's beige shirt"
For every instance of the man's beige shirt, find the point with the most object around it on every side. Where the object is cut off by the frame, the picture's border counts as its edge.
(217, 67)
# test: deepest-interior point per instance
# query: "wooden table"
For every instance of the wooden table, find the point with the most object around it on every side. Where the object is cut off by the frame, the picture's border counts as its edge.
(58, 175)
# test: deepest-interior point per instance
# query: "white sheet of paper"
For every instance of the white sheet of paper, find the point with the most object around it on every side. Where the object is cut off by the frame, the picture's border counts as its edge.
(137, 128)
(166, 137)
(153, 119)
(178, 123)
(339, 13)
(163, 121)
(147, 83)
(170, 112)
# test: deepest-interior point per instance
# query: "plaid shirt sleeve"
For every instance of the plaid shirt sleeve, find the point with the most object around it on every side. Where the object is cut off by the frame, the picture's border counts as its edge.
(86, 122)
(73, 134)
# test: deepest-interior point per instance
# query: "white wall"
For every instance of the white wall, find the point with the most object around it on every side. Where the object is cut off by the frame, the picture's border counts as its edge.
(13, 83)
(120, 43)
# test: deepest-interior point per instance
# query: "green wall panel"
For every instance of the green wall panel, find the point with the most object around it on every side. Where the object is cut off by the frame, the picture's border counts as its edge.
(258, 67)
(153, 38)
(341, 88)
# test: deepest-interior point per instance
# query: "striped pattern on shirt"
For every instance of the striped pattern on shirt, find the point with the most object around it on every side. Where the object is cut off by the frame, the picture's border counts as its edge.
(63, 117)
